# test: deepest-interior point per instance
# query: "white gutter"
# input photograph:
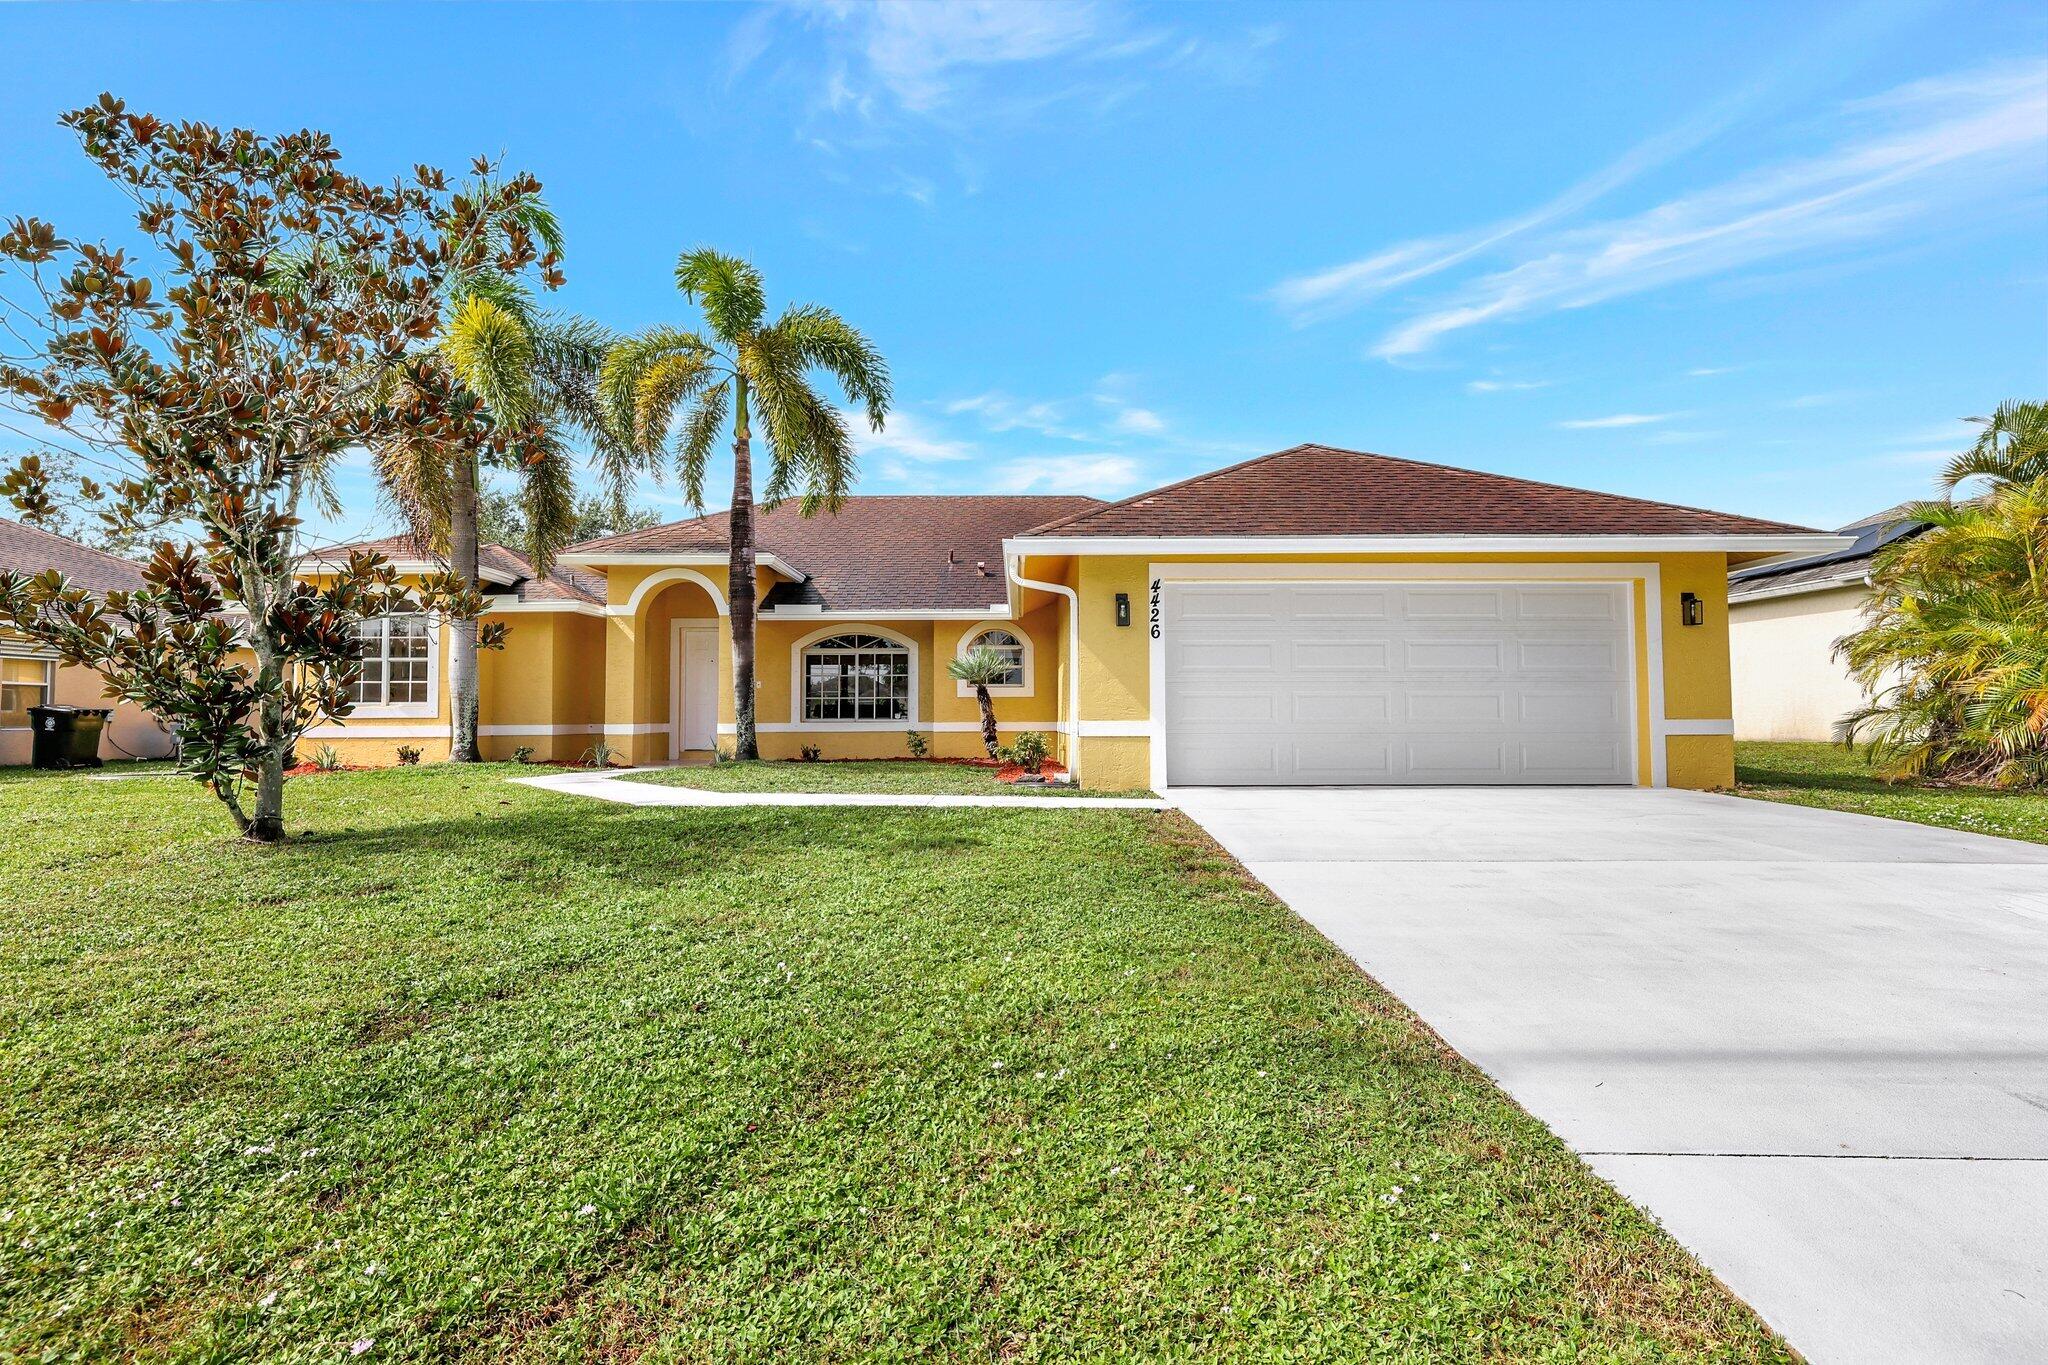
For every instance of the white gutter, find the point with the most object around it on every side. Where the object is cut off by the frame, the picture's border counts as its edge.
(1073, 728)
(695, 559)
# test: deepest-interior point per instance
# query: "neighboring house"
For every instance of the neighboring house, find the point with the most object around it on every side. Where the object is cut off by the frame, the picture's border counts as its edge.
(1316, 616)
(31, 676)
(1783, 621)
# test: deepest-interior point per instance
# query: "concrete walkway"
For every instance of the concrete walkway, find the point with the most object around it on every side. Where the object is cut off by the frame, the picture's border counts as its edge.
(612, 786)
(1814, 1045)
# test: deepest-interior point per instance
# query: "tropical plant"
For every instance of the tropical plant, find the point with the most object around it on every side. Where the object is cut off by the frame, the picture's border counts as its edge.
(978, 668)
(501, 520)
(523, 754)
(809, 753)
(1029, 751)
(327, 759)
(599, 755)
(214, 398)
(739, 367)
(2012, 448)
(408, 755)
(1954, 654)
(519, 380)
(917, 742)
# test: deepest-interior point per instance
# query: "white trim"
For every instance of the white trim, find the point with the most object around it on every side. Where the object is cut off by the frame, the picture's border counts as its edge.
(1699, 727)
(627, 731)
(804, 613)
(656, 581)
(528, 730)
(1026, 688)
(1787, 543)
(868, 727)
(511, 608)
(676, 627)
(1116, 729)
(346, 731)
(411, 710)
(328, 562)
(702, 559)
(1738, 593)
(23, 649)
(1624, 575)
(796, 684)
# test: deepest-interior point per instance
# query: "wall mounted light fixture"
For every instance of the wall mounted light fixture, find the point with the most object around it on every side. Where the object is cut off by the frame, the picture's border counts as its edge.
(1691, 610)
(1123, 608)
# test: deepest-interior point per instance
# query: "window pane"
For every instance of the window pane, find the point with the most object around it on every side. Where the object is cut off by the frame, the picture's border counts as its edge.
(856, 677)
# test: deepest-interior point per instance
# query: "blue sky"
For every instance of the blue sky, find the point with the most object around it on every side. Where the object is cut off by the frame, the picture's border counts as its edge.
(1760, 258)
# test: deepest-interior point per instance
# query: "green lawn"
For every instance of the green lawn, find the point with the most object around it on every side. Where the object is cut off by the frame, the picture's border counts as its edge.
(475, 1070)
(923, 779)
(1831, 776)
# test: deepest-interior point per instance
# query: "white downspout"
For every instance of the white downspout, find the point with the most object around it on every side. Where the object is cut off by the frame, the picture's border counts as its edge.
(1010, 564)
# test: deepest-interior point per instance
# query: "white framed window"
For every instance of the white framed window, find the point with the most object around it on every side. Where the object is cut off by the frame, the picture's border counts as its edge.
(24, 683)
(1013, 644)
(856, 677)
(400, 668)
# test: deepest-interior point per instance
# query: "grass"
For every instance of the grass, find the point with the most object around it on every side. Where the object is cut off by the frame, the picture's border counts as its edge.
(1829, 775)
(470, 1070)
(890, 776)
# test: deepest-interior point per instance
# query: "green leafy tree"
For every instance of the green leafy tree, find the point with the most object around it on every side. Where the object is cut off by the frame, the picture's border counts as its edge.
(212, 397)
(1954, 652)
(978, 668)
(502, 521)
(740, 368)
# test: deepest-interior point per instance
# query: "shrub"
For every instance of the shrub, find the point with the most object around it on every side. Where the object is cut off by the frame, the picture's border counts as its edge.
(408, 755)
(1030, 751)
(919, 743)
(327, 759)
(523, 754)
(600, 755)
(811, 753)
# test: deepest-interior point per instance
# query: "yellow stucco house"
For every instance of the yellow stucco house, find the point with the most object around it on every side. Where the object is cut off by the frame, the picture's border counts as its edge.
(1315, 616)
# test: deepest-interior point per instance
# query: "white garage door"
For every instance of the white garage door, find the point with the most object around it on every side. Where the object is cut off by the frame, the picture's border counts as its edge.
(1352, 683)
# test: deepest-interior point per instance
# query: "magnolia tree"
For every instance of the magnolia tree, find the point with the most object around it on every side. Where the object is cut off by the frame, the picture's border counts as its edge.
(213, 380)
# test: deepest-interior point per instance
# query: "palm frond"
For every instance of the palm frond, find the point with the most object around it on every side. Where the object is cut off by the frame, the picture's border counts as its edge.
(699, 436)
(547, 496)
(626, 366)
(727, 288)
(491, 351)
(818, 336)
(2011, 448)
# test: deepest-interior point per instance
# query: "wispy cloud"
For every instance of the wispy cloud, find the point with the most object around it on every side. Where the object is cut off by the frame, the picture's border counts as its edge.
(1138, 422)
(1619, 419)
(1505, 385)
(1708, 371)
(999, 411)
(1926, 153)
(904, 437)
(1100, 475)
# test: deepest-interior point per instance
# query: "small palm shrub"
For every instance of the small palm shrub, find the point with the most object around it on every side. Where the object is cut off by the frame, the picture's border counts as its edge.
(918, 742)
(327, 759)
(1030, 751)
(980, 667)
(599, 755)
(408, 755)
(523, 754)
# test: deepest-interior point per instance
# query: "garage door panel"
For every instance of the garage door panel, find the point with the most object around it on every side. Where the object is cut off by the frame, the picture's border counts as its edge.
(1339, 683)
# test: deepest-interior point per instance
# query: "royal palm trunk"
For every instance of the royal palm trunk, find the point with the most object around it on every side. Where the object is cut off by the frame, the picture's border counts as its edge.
(462, 564)
(740, 581)
(988, 719)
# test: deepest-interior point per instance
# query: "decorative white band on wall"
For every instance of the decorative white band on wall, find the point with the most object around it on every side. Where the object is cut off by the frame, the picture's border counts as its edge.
(1698, 727)
(1116, 729)
(624, 730)
(372, 730)
(891, 727)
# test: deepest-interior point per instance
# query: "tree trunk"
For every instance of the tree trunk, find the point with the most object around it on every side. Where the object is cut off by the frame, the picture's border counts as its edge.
(739, 589)
(462, 564)
(266, 821)
(988, 719)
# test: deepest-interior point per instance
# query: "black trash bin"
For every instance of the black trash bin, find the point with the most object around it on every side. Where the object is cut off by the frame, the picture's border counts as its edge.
(66, 736)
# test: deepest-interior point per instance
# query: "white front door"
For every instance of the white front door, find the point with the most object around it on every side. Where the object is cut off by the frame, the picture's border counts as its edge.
(1298, 684)
(693, 712)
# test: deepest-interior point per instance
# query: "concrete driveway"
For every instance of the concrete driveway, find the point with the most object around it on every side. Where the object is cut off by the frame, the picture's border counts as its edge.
(1814, 1045)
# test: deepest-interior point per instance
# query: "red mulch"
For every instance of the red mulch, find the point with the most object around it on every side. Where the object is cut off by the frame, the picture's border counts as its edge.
(315, 770)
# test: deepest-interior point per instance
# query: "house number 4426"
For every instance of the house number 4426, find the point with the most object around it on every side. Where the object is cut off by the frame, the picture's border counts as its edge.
(1155, 608)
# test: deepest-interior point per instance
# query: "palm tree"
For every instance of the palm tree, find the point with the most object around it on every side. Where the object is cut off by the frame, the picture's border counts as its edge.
(1955, 650)
(515, 381)
(981, 667)
(2012, 448)
(742, 365)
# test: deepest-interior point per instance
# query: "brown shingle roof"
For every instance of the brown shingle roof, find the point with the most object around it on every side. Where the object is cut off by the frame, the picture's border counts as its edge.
(24, 549)
(1313, 490)
(560, 584)
(1844, 566)
(882, 553)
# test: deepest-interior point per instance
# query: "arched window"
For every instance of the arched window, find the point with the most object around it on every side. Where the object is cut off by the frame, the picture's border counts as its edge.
(856, 677)
(1015, 647)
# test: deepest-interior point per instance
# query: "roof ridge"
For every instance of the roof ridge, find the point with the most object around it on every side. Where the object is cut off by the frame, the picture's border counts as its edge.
(1182, 483)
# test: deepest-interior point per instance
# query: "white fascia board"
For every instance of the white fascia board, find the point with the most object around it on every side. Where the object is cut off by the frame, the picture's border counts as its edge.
(1000, 610)
(574, 608)
(1737, 595)
(1788, 543)
(692, 560)
(329, 563)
